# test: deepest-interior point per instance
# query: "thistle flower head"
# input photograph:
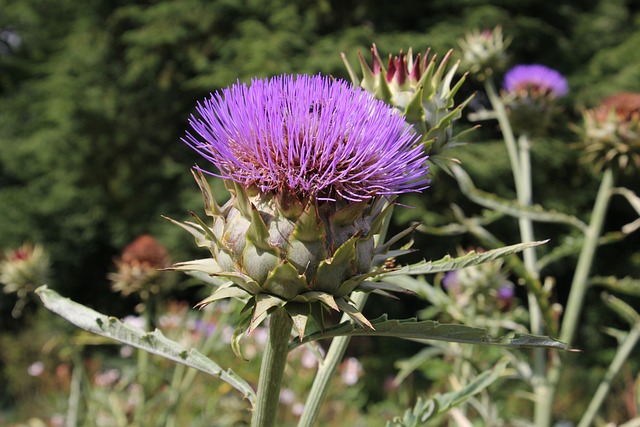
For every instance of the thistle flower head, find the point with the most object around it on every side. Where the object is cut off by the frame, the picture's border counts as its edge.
(308, 136)
(484, 52)
(530, 92)
(311, 164)
(611, 133)
(535, 81)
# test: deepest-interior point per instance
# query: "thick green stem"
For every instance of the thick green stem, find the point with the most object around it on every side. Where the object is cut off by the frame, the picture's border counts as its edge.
(579, 284)
(520, 158)
(624, 350)
(74, 392)
(274, 361)
(327, 369)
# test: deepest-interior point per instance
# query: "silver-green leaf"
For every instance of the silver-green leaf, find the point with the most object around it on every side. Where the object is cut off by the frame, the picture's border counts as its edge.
(153, 342)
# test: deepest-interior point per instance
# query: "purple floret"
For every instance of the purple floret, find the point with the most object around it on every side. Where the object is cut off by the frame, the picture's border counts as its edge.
(535, 79)
(310, 136)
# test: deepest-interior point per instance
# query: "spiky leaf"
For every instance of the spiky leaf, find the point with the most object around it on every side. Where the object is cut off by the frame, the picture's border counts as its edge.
(431, 330)
(472, 258)
(424, 410)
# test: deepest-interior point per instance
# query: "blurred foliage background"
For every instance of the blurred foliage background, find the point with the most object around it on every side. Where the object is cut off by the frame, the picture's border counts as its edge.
(95, 96)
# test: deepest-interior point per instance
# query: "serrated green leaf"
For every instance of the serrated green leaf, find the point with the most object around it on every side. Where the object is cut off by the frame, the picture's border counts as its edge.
(154, 342)
(625, 285)
(621, 308)
(369, 286)
(448, 263)
(424, 410)
(507, 207)
(430, 330)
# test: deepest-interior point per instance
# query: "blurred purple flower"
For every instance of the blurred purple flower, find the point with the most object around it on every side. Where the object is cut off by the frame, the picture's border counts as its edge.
(450, 281)
(505, 296)
(535, 80)
(309, 136)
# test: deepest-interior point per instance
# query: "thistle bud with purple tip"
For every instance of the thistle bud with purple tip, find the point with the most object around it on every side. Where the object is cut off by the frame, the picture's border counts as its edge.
(530, 95)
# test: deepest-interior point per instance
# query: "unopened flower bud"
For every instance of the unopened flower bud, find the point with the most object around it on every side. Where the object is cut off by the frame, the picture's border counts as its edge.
(611, 133)
(484, 52)
(138, 268)
(421, 89)
(24, 268)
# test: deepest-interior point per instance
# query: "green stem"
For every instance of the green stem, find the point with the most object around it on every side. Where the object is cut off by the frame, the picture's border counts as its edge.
(143, 366)
(520, 158)
(624, 350)
(505, 127)
(327, 369)
(274, 361)
(579, 284)
(74, 391)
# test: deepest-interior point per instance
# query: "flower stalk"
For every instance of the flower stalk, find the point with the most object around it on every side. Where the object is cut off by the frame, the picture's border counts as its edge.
(274, 361)
(624, 350)
(327, 369)
(520, 159)
(579, 287)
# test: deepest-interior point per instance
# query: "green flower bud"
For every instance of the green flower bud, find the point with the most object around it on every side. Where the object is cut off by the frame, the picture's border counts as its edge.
(484, 52)
(24, 268)
(421, 89)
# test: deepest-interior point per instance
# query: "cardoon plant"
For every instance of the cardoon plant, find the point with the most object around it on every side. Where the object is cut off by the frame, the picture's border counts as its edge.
(313, 166)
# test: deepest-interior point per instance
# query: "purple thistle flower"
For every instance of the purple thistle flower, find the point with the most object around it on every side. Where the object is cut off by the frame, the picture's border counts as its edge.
(310, 136)
(536, 80)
